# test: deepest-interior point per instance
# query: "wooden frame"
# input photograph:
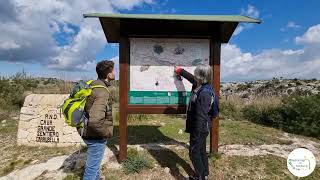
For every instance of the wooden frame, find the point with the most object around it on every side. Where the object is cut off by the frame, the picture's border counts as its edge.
(123, 96)
(215, 52)
(120, 27)
(126, 109)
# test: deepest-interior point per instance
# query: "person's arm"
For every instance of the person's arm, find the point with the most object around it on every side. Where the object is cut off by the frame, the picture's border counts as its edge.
(186, 74)
(216, 106)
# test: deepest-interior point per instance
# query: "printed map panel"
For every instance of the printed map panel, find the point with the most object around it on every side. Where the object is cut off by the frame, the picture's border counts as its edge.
(152, 64)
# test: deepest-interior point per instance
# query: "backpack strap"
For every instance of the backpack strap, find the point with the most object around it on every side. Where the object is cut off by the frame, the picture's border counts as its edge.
(97, 86)
(89, 82)
(100, 86)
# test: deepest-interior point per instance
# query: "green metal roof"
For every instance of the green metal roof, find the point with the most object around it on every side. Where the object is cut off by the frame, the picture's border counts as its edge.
(216, 18)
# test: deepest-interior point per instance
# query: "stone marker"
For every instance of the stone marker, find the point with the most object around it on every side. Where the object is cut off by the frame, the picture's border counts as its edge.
(42, 123)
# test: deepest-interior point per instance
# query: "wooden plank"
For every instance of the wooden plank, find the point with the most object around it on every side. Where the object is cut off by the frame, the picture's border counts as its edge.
(215, 51)
(155, 28)
(109, 32)
(123, 96)
(227, 30)
(156, 109)
(167, 36)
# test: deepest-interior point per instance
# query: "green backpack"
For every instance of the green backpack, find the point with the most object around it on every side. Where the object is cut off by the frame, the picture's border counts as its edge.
(73, 107)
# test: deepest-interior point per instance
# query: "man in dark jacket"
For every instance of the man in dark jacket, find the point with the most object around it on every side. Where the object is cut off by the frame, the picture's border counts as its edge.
(198, 118)
(100, 122)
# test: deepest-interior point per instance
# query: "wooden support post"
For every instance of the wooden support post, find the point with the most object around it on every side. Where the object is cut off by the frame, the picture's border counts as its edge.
(124, 69)
(215, 51)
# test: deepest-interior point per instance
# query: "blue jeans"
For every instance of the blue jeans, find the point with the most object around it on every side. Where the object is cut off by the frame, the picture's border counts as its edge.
(95, 154)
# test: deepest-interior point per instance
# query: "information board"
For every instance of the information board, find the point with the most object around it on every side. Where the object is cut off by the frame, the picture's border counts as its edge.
(152, 64)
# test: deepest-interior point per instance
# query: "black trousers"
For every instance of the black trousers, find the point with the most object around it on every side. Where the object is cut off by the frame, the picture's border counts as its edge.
(198, 153)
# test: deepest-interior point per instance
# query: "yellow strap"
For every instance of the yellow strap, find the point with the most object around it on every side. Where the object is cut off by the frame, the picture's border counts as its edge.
(97, 86)
(100, 86)
(89, 82)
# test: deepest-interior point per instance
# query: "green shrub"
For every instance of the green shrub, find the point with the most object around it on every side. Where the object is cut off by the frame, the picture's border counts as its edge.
(252, 113)
(275, 81)
(302, 114)
(4, 115)
(71, 176)
(12, 89)
(214, 156)
(64, 87)
(281, 87)
(297, 114)
(298, 83)
(262, 115)
(114, 94)
(138, 117)
(229, 109)
(135, 162)
(131, 117)
(115, 115)
(243, 87)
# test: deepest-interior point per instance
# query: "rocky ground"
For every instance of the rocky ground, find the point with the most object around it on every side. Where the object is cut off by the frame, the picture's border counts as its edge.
(244, 153)
(275, 87)
(246, 150)
(57, 167)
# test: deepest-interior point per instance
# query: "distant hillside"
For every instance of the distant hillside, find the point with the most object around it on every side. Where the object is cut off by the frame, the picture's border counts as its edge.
(275, 87)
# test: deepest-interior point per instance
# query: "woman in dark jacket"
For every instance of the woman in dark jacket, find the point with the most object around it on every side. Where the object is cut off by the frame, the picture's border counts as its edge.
(198, 119)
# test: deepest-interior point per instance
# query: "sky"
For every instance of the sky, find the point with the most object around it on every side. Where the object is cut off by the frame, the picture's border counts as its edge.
(50, 38)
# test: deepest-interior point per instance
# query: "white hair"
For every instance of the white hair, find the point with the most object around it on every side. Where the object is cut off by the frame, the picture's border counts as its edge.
(203, 74)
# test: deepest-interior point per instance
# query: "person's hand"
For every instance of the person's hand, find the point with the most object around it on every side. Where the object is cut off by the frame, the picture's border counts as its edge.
(178, 70)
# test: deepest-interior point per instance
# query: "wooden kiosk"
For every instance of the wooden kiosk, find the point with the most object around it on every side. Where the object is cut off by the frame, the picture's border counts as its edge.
(121, 28)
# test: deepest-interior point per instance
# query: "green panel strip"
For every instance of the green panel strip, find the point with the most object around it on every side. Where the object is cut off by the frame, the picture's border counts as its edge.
(158, 97)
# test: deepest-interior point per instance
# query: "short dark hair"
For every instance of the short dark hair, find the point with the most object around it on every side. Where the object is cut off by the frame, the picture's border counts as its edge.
(103, 68)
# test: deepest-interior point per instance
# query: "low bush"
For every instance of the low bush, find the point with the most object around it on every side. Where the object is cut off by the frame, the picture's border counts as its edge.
(135, 162)
(296, 114)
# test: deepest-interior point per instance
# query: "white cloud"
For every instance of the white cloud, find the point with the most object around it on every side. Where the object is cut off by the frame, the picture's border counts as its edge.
(290, 25)
(293, 52)
(28, 36)
(289, 63)
(129, 4)
(161, 7)
(83, 49)
(9, 45)
(68, 30)
(252, 12)
(173, 10)
(312, 36)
